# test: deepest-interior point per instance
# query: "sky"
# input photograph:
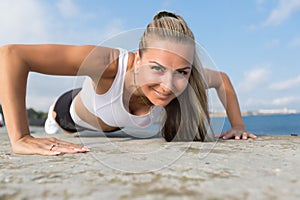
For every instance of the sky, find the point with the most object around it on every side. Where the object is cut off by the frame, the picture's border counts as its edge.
(256, 42)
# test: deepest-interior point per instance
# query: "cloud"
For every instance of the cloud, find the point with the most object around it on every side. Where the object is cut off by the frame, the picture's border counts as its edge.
(255, 78)
(286, 85)
(31, 21)
(272, 43)
(282, 12)
(166, 3)
(285, 101)
(260, 4)
(68, 8)
(294, 42)
(255, 103)
(271, 103)
(23, 21)
(34, 21)
(115, 26)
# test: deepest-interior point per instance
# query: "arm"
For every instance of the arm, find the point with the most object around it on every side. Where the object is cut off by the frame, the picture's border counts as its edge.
(221, 82)
(16, 61)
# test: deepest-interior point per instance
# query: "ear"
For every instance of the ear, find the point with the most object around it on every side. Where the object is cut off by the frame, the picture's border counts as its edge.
(137, 58)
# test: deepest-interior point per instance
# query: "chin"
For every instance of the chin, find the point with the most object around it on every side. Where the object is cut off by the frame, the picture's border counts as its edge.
(163, 103)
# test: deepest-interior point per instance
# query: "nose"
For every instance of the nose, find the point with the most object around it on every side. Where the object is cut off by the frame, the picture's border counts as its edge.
(167, 82)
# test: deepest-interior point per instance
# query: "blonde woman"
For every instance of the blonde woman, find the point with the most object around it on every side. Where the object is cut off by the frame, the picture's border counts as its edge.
(163, 80)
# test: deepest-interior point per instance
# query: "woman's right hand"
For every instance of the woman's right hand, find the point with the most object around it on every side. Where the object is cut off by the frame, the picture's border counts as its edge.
(46, 146)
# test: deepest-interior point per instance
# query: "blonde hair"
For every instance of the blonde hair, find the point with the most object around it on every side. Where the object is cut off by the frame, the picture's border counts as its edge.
(187, 115)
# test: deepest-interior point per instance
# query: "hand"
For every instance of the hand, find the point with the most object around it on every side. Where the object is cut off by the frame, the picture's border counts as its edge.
(236, 133)
(46, 146)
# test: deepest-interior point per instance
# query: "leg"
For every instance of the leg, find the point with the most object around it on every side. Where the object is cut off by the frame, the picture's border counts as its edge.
(51, 126)
(60, 113)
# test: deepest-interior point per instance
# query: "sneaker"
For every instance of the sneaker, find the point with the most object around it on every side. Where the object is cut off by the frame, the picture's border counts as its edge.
(51, 127)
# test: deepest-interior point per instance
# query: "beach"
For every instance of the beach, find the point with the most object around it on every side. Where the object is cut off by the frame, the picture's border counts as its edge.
(124, 168)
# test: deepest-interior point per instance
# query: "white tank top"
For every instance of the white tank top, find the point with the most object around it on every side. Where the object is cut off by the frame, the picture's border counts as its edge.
(109, 106)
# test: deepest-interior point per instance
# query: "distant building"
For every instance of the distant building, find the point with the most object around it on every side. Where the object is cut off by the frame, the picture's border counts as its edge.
(259, 112)
(276, 111)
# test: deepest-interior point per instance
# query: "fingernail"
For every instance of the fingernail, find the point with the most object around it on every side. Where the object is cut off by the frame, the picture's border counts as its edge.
(86, 148)
(57, 152)
(81, 149)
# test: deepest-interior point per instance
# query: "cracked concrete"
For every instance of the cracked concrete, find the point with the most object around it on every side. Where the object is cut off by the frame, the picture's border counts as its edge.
(124, 168)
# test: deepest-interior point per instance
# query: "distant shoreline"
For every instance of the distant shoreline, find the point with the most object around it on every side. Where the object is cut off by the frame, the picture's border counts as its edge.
(259, 112)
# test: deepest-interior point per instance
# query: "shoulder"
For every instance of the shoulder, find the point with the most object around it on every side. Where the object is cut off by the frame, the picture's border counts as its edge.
(131, 57)
(215, 79)
(110, 62)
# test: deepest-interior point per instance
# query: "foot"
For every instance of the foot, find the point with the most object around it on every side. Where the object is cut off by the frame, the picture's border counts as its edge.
(51, 127)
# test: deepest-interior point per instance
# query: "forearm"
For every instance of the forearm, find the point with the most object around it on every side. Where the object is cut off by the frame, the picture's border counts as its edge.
(230, 102)
(13, 79)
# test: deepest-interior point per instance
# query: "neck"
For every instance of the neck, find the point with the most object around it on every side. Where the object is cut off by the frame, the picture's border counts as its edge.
(133, 98)
(142, 97)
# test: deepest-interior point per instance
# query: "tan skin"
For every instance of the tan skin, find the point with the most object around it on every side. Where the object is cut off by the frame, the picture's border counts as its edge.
(16, 61)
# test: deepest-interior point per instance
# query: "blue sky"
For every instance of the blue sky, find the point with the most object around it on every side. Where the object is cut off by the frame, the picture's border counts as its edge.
(256, 42)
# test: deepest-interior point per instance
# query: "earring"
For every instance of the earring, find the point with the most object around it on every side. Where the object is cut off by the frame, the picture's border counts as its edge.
(135, 70)
(134, 75)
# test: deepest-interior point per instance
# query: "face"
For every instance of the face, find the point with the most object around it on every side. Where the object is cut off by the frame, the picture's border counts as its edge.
(163, 71)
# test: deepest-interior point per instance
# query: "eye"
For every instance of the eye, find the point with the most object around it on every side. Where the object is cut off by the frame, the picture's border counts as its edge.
(158, 68)
(182, 72)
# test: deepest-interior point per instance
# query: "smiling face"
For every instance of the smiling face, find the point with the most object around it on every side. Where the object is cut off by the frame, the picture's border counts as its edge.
(163, 70)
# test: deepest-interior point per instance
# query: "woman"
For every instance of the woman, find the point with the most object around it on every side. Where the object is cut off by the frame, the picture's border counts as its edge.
(163, 78)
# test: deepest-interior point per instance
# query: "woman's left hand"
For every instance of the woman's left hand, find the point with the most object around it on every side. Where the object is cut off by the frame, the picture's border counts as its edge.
(236, 133)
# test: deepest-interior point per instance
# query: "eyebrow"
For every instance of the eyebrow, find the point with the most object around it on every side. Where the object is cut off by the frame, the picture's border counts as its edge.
(184, 68)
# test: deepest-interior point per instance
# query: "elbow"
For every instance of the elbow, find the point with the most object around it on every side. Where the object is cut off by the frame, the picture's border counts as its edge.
(225, 77)
(10, 57)
(5, 52)
(6, 49)
(225, 82)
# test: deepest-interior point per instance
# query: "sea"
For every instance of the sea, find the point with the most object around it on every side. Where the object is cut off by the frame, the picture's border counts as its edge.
(275, 124)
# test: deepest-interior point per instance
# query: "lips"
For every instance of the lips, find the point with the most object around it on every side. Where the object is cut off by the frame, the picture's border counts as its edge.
(162, 95)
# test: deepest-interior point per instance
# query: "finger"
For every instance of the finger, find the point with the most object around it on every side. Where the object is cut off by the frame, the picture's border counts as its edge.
(237, 137)
(47, 152)
(61, 142)
(252, 136)
(221, 134)
(245, 136)
(228, 135)
(72, 145)
(53, 153)
(70, 149)
(61, 147)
